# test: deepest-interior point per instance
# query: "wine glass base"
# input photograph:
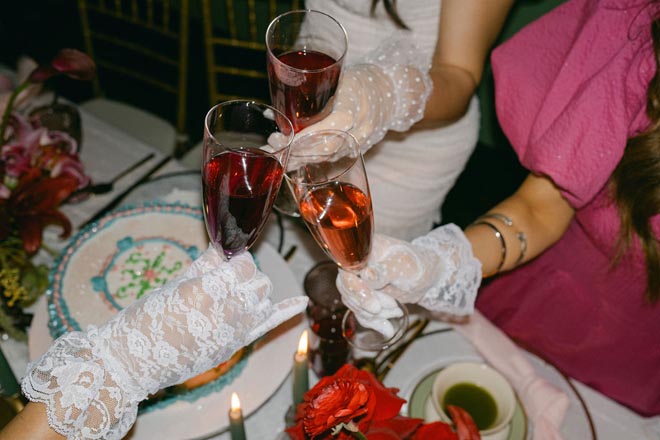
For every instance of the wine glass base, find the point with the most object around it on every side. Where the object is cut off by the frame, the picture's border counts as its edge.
(369, 340)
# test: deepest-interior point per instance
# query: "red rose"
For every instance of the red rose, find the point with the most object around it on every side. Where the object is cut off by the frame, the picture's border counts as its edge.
(435, 431)
(349, 396)
(353, 404)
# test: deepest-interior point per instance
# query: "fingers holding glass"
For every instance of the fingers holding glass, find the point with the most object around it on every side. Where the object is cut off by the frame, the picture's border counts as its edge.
(327, 176)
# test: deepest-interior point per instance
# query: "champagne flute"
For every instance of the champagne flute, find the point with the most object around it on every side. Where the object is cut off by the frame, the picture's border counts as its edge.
(245, 153)
(305, 53)
(332, 193)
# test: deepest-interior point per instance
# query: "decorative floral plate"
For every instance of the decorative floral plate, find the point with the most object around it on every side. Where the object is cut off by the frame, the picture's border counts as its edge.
(114, 262)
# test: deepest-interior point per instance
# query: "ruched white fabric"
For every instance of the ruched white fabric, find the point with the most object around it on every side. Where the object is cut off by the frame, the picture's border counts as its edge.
(436, 271)
(92, 382)
(410, 171)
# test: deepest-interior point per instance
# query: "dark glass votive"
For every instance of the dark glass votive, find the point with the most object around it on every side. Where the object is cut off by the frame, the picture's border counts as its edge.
(59, 117)
(328, 350)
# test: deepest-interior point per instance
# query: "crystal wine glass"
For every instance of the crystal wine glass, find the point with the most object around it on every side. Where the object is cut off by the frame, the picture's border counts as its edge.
(305, 53)
(332, 193)
(245, 153)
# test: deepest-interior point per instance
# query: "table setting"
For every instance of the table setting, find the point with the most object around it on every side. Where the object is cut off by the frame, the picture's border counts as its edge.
(264, 411)
(142, 220)
(437, 346)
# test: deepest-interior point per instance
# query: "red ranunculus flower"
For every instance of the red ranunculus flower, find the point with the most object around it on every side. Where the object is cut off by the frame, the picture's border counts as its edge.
(353, 404)
(350, 395)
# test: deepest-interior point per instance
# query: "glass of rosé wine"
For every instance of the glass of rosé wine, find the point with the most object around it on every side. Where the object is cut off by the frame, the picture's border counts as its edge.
(332, 194)
(305, 53)
(245, 152)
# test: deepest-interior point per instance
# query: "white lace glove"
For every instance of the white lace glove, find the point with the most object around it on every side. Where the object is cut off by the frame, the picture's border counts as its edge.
(387, 91)
(436, 271)
(92, 382)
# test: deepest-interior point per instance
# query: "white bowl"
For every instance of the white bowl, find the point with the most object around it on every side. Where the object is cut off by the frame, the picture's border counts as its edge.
(483, 376)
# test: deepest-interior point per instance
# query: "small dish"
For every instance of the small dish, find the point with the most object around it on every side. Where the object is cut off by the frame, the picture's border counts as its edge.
(420, 400)
(480, 390)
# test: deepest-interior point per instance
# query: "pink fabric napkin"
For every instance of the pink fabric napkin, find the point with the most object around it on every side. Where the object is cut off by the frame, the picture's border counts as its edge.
(544, 403)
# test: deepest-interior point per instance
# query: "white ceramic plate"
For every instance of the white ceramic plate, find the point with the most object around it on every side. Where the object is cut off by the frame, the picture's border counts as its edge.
(441, 348)
(265, 370)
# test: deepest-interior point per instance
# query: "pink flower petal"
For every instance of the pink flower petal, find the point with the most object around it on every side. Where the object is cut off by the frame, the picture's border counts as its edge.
(72, 62)
(75, 63)
(42, 73)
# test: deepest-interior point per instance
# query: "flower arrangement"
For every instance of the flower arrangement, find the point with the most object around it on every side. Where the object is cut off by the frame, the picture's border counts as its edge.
(353, 404)
(39, 170)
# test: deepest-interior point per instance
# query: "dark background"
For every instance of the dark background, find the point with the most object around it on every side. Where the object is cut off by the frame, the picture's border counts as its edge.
(39, 28)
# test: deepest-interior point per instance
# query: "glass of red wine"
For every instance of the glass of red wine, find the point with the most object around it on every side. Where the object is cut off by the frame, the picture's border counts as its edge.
(327, 177)
(305, 53)
(245, 153)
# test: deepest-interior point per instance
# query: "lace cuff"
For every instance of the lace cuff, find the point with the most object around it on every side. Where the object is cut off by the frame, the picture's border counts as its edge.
(85, 399)
(459, 278)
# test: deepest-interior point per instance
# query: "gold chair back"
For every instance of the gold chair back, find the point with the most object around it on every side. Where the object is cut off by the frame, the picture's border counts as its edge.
(234, 39)
(143, 43)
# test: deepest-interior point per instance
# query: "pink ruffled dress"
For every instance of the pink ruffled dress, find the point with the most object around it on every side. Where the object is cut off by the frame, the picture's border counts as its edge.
(570, 89)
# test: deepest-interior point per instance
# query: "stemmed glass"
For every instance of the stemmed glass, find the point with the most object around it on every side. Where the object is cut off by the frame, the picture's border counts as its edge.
(305, 53)
(328, 179)
(245, 153)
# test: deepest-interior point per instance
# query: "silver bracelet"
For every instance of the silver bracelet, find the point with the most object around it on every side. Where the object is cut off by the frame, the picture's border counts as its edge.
(499, 235)
(520, 235)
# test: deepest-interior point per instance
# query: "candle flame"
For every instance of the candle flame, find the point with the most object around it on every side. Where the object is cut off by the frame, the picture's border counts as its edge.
(235, 403)
(302, 344)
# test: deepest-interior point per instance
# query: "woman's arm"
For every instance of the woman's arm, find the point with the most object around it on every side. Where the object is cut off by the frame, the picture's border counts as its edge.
(536, 209)
(442, 270)
(30, 424)
(467, 31)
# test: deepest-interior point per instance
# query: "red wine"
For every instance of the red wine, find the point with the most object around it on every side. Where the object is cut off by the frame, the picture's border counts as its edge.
(304, 97)
(328, 350)
(339, 217)
(239, 189)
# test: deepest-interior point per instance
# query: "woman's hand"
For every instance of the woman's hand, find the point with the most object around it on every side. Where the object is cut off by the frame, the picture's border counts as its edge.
(436, 271)
(386, 91)
(92, 382)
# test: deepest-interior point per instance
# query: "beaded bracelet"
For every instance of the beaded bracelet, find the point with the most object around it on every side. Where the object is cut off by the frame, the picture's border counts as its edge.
(499, 235)
(519, 234)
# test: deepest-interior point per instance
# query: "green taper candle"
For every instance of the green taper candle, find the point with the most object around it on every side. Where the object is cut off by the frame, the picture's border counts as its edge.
(300, 371)
(236, 426)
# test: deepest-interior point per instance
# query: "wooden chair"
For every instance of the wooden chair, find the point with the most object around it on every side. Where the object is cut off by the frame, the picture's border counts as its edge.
(234, 40)
(235, 51)
(141, 51)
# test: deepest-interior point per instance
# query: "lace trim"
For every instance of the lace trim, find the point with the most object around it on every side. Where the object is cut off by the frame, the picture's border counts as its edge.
(455, 290)
(71, 382)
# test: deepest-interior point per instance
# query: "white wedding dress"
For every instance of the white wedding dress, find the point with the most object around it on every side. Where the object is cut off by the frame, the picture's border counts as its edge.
(409, 172)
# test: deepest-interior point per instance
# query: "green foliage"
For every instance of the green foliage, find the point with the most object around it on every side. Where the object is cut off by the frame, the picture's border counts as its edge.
(21, 284)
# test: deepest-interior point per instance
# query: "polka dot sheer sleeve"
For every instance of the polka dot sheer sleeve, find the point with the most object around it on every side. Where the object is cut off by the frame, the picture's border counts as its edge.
(388, 90)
